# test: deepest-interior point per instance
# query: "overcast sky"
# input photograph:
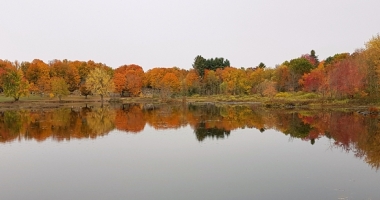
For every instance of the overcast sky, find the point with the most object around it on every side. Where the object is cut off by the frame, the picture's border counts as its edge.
(169, 33)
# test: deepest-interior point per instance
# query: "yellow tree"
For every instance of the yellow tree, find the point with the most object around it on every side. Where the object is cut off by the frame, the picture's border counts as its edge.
(14, 84)
(256, 77)
(59, 87)
(372, 57)
(100, 82)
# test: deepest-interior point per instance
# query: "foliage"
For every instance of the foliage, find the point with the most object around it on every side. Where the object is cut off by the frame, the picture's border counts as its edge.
(346, 78)
(100, 82)
(201, 64)
(14, 84)
(192, 82)
(283, 95)
(129, 78)
(298, 67)
(84, 91)
(343, 75)
(269, 89)
(38, 73)
(315, 81)
(59, 87)
(372, 61)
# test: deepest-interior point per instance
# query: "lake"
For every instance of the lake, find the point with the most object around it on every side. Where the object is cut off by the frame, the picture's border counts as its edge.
(192, 151)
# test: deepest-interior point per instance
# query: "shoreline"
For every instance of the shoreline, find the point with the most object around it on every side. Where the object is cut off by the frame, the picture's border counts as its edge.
(78, 101)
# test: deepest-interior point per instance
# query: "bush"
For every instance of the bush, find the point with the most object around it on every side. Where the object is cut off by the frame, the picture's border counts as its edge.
(283, 95)
(309, 96)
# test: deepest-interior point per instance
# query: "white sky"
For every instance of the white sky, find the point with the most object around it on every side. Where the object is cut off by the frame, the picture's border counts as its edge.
(169, 33)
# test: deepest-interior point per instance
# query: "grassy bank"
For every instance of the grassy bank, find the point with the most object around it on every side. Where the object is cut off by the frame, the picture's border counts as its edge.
(281, 100)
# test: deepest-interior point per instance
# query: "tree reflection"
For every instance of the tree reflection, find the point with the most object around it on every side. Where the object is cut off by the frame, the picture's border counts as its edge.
(11, 123)
(201, 132)
(130, 118)
(101, 121)
(348, 131)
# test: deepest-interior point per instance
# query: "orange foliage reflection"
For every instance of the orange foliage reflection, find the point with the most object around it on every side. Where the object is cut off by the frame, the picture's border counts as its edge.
(348, 131)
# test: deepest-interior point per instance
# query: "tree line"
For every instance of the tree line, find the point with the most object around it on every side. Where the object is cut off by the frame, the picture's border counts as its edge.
(343, 75)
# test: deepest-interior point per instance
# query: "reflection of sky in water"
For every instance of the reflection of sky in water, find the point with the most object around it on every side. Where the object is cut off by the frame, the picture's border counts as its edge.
(172, 164)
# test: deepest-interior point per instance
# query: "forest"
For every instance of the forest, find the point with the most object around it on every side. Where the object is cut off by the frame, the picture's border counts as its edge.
(341, 76)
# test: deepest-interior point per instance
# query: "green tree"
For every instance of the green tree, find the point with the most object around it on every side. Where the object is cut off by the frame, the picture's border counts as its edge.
(14, 84)
(100, 82)
(315, 57)
(298, 67)
(59, 87)
(261, 65)
(201, 64)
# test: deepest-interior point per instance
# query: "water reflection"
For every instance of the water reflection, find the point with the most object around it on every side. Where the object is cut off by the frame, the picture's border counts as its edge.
(350, 131)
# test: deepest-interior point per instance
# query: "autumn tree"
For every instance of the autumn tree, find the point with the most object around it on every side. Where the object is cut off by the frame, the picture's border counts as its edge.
(59, 87)
(129, 78)
(100, 82)
(312, 58)
(269, 89)
(316, 80)
(5, 65)
(211, 82)
(282, 78)
(134, 82)
(256, 77)
(372, 57)
(72, 77)
(38, 74)
(346, 78)
(120, 80)
(169, 84)
(14, 84)
(84, 90)
(154, 76)
(67, 70)
(192, 82)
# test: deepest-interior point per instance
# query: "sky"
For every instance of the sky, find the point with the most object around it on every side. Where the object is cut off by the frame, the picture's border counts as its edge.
(170, 33)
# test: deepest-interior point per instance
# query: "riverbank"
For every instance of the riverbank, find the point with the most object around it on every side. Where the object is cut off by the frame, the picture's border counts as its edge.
(276, 103)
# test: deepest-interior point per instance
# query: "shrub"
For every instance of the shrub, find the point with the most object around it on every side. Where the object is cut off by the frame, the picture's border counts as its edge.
(283, 95)
(309, 96)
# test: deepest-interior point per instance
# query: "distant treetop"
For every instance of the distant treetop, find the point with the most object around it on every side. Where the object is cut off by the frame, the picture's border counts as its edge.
(201, 64)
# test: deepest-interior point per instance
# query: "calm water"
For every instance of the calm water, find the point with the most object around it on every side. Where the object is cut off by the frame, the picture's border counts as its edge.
(188, 152)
